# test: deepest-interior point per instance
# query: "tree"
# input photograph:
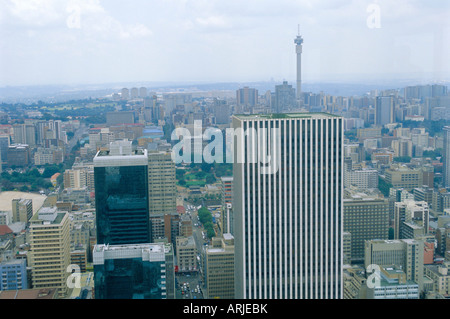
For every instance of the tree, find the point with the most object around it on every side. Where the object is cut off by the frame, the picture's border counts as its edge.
(50, 171)
(384, 186)
(200, 174)
(402, 159)
(182, 182)
(33, 173)
(210, 179)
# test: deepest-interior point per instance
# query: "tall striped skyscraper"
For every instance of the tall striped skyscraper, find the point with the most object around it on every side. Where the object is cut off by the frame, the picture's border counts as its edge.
(288, 217)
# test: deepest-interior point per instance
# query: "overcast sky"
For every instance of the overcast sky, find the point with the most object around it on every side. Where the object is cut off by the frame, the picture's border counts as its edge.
(104, 41)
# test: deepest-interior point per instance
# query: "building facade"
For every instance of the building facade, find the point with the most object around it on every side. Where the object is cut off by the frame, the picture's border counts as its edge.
(288, 211)
(365, 218)
(143, 271)
(121, 195)
(49, 255)
(220, 268)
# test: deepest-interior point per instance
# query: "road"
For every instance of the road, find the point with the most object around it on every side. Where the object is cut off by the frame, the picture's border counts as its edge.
(194, 279)
(77, 136)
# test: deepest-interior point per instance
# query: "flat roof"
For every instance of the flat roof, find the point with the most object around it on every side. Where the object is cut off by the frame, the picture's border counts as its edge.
(273, 116)
(57, 221)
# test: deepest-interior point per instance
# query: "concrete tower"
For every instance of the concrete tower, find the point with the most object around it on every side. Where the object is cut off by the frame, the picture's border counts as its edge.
(298, 49)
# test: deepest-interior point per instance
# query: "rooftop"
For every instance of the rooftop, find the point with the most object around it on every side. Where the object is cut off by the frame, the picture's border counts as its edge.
(46, 293)
(273, 116)
(59, 217)
(4, 229)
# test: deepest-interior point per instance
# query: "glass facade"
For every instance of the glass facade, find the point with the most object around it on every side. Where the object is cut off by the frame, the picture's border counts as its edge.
(121, 199)
(130, 278)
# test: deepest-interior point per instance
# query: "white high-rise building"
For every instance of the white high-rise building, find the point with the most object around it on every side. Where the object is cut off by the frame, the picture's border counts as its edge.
(288, 223)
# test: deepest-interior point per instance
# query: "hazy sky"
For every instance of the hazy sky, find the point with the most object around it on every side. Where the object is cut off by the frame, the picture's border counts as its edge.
(98, 41)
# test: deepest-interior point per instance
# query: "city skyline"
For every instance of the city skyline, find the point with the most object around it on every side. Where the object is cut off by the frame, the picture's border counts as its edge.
(70, 42)
(253, 151)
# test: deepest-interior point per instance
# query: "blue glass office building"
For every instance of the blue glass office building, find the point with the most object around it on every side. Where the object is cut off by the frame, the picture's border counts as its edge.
(121, 195)
(143, 271)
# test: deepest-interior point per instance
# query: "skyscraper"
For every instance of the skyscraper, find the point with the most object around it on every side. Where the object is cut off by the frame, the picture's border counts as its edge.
(220, 268)
(22, 210)
(365, 218)
(246, 98)
(121, 195)
(384, 110)
(446, 156)
(288, 217)
(24, 134)
(49, 255)
(162, 191)
(144, 271)
(284, 97)
(299, 49)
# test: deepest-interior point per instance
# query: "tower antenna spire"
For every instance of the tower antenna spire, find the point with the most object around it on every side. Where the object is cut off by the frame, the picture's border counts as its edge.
(299, 29)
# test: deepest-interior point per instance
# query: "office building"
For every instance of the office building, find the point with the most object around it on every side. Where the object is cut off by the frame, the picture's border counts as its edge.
(365, 218)
(384, 110)
(37, 294)
(19, 155)
(362, 178)
(141, 271)
(22, 210)
(407, 213)
(404, 177)
(4, 144)
(79, 257)
(49, 255)
(220, 268)
(285, 99)
(162, 191)
(121, 195)
(121, 117)
(162, 183)
(221, 111)
(24, 134)
(440, 276)
(185, 226)
(227, 204)
(393, 285)
(13, 274)
(81, 175)
(288, 211)
(143, 92)
(246, 98)
(446, 156)
(404, 253)
(346, 248)
(186, 254)
(355, 286)
(424, 194)
(402, 147)
(125, 94)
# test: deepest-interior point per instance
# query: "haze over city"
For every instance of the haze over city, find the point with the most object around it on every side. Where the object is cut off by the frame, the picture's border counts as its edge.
(231, 151)
(54, 42)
